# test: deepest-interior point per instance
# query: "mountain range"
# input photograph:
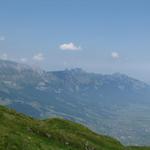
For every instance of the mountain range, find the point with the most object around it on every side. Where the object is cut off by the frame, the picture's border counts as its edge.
(116, 105)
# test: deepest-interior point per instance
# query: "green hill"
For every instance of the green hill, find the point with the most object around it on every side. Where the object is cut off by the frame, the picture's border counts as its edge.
(19, 132)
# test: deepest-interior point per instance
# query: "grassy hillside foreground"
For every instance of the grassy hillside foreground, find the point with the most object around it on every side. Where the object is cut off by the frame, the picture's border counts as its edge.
(19, 132)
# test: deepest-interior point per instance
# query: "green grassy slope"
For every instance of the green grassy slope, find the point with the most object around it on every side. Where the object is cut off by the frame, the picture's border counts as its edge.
(19, 132)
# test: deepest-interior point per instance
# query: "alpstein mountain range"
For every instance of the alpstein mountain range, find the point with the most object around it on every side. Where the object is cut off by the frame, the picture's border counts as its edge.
(115, 104)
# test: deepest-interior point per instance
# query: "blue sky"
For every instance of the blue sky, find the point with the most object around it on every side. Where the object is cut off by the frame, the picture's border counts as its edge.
(102, 36)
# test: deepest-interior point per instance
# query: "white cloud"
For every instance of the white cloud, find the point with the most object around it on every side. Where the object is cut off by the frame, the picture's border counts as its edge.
(4, 56)
(69, 46)
(115, 55)
(23, 60)
(2, 38)
(38, 57)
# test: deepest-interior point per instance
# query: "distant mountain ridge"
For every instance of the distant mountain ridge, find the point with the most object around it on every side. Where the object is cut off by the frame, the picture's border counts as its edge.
(116, 105)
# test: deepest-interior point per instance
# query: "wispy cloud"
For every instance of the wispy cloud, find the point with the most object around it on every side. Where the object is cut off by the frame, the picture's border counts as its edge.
(69, 46)
(4, 56)
(115, 55)
(38, 57)
(2, 38)
(23, 60)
